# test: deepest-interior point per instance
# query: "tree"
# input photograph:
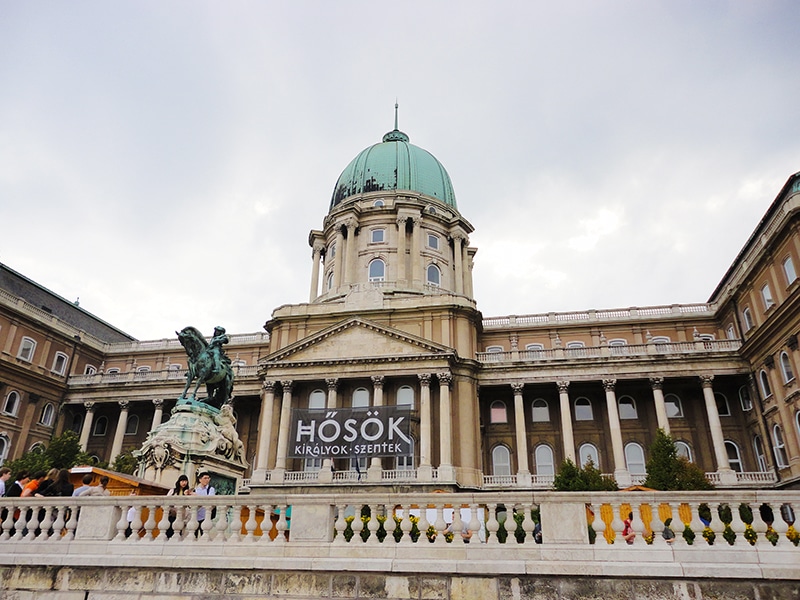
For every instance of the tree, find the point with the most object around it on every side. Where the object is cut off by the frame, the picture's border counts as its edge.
(668, 471)
(62, 452)
(125, 462)
(570, 478)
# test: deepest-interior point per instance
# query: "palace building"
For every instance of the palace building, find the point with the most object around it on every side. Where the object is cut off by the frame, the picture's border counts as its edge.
(391, 321)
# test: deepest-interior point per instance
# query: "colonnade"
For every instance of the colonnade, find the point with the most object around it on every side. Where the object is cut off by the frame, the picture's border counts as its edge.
(122, 425)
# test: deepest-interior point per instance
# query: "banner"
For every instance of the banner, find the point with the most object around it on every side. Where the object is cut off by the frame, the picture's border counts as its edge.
(350, 432)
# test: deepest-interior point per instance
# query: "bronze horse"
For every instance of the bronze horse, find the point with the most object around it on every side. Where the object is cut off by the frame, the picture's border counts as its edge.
(207, 364)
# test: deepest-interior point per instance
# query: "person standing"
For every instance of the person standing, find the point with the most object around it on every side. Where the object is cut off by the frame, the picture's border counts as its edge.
(5, 475)
(87, 483)
(61, 486)
(203, 488)
(15, 491)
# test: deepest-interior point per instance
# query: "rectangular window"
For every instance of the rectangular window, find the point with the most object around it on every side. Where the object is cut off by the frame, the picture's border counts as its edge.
(766, 294)
(26, 349)
(377, 236)
(788, 270)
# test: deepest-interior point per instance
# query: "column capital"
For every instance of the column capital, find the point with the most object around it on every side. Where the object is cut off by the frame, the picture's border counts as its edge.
(458, 237)
(517, 387)
(707, 381)
(563, 386)
(445, 378)
(89, 406)
(317, 247)
(657, 383)
(287, 386)
(158, 402)
(350, 224)
(424, 379)
(124, 404)
(401, 222)
(609, 384)
(332, 383)
(268, 385)
(377, 380)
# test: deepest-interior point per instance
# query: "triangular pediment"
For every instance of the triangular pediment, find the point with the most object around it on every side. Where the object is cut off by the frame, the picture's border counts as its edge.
(356, 339)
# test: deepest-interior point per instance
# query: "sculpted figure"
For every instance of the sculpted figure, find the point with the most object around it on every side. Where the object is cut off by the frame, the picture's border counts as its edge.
(208, 364)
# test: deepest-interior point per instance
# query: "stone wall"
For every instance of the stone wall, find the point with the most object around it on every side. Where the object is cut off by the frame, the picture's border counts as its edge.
(92, 583)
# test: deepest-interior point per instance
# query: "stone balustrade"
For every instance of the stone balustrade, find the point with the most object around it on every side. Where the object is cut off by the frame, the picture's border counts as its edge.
(736, 534)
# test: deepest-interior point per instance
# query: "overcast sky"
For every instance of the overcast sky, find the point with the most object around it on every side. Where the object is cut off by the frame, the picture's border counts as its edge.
(165, 161)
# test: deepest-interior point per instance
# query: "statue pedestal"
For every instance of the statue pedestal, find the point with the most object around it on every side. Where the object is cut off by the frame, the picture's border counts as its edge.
(196, 438)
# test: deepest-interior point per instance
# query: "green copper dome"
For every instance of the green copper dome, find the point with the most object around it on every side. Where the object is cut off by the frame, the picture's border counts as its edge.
(394, 164)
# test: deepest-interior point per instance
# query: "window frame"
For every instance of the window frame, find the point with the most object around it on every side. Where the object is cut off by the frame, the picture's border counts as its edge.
(317, 396)
(786, 367)
(47, 415)
(747, 317)
(494, 411)
(632, 404)
(15, 409)
(790, 279)
(27, 349)
(376, 278)
(763, 381)
(688, 450)
(761, 456)
(363, 400)
(722, 400)
(435, 245)
(779, 445)
(541, 409)
(745, 400)
(413, 394)
(737, 461)
(766, 297)
(546, 466)
(5, 446)
(501, 465)
(377, 232)
(584, 406)
(96, 431)
(589, 449)
(435, 269)
(679, 404)
(64, 361)
(132, 430)
(628, 462)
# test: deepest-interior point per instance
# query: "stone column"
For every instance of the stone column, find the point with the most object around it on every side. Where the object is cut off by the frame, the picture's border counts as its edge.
(416, 268)
(425, 471)
(86, 430)
(446, 470)
(316, 252)
(333, 399)
(284, 430)
(523, 470)
(158, 414)
(467, 270)
(401, 249)
(458, 261)
(122, 423)
(657, 383)
(566, 420)
(621, 473)
(726, 474)
(350, 275)
(263, 445)
(375, 469)
(338, 267)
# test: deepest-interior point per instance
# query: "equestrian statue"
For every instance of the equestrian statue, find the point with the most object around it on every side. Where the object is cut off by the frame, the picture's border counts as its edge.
(208, 364)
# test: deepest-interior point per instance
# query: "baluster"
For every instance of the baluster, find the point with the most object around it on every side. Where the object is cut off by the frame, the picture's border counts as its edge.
(192, 526)
(458, 526)
(638, 526)
(697, 525)
(340, 525)
(206, 524)
(46, 524)
(136, 524)
(760, 526)
(528, 524)
(178, 523)
(474, 524)
(423, 524)
(163, 523)
(282, 525)
(357, 526)
(19, 524)
(406, 525)
(492, 524)
(8, 523)
(677, 525)
(617, 524)
(150, 524)
(779, 525)
(598, 525)
(439, 525)
(738, 526)
(122, 523)
(222, 526)
(251, 524)
(72, 523)
(33, 524)
(374, 525)
(266, 524)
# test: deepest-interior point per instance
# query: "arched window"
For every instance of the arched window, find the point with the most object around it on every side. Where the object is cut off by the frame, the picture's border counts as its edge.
(544, 460)
(433, 241)
(89, 370)
(766, 296)
(377, 270)
(378, 203)
(734, 457)
(501, 461)
(434, 276)
(583, 410)
(144, 369)
(673, 405)
(763, 380)
(662, 343)
(77, 423)
(588, 452)
(48, 412)
(747, 317)
(329, 281)
(788, 270)
(627, 408)
(114, 371)
(634, 458)
(406, 463)
(780, 447)
(534, 351)
(316, 399)
(132, 426)
(744, 398)
(405, 396)
(37, 448)
(377, 236)
(576, 349)
(723, 408)
(11, 404)
(730, 332)
(59, 363)
(684, 450)
(4, 446)
(497, 412)
(761, 458)
(494, 349)
(26, 349)
(100, 426)
(540, 411)
(786, 368)
(360, 398)
(618, 347)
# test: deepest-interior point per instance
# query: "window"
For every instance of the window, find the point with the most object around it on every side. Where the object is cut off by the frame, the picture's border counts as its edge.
(494, 349)
(501, 461)
(26, 349)
(11, 404)
(684, 450)
(748, 319)
(377, 270)
(788, 270)
(4, 446)
(588, 452)
(576, 349)
(534, 350)
(497, 412)
(59, 363)
(544, 460)
(37, 448)
(143, 369)
(378, 203)
(329, 281)
(100, 426)
(583, 410)
(433, 241)
(661, 342)
(77, 423)
(730, 332)
(316, 399)
(406, 463)
(627, 408)
(540, 411)
(723, 408)
(763, 380)
(113, 371)
(618, 347)
(673, 405)
(744, 398)
(377, 236)
(786, 368)
(634, 458)
(358, 463)
(332, 250)
(312, 464)
(48, 412)
(89, 370)
(761, 458)
(132, 426)
(405, 396)
(766, 296)
(734, 458)
(434, 276)
(780, 447)
(360, 398)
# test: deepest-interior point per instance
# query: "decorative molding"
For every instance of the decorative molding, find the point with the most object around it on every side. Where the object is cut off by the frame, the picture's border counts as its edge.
(609, 384)
(707, 381)
(563, 386)
(517, 387)
(657, 383)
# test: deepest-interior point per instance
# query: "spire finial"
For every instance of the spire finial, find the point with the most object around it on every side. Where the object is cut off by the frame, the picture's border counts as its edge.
(395, 114)
(395, 135)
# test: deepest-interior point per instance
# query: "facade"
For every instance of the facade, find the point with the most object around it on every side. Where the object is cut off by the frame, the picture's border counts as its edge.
(493, 402)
